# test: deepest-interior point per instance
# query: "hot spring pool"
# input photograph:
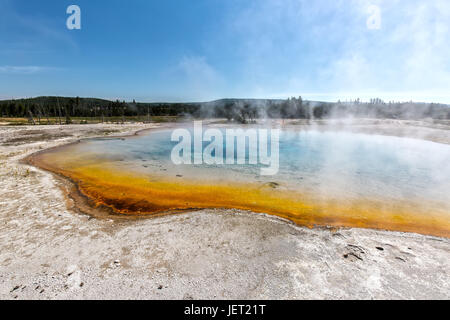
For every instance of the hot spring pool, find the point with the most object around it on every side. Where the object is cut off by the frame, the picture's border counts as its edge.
(328, 178)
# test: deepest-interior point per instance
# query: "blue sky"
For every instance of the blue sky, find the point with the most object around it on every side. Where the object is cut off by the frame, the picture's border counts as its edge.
(202, 50)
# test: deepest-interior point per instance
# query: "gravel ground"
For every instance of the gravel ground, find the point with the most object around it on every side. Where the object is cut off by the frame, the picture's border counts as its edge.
(49, 251)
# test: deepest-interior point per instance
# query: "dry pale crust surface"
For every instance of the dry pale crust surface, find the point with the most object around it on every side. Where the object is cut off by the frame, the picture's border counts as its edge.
(48, 251)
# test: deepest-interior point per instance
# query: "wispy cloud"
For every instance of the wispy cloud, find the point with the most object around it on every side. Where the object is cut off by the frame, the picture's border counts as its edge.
(409, 53)
(197, 68)
(198, 78)
(26, 33)
(23, 69)
(325, 46)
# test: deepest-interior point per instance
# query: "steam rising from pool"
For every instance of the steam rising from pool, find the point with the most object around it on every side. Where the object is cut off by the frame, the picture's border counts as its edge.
(325, 178)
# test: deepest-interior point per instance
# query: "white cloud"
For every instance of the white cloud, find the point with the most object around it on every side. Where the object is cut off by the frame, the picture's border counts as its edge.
(22, 69)
(409, 54)
(200, 79)
(325, 46)
(198, 70)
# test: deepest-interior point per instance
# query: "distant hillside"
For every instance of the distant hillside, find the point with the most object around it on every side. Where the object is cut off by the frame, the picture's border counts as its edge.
(242, 110)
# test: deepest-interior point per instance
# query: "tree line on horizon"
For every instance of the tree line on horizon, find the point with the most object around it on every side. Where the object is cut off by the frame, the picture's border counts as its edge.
(240, 110)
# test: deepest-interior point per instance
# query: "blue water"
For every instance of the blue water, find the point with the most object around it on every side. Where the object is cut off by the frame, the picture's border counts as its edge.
(340, 163)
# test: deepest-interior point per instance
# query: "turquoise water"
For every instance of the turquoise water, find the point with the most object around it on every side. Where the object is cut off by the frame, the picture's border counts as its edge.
(340, 164)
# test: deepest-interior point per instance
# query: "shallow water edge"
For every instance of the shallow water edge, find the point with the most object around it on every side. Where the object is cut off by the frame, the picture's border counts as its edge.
(173, 196)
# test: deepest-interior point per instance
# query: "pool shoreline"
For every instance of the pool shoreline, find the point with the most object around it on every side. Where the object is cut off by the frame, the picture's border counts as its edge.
(88, 205)
(44, 236)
